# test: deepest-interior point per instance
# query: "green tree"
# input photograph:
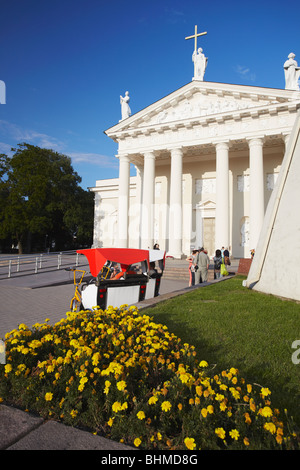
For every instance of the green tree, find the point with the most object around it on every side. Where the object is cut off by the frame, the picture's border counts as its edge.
(41, 199)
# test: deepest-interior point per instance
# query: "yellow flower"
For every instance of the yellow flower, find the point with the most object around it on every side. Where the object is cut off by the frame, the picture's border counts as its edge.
(234, 393)
(210, 409)
(141, 415)
(203, 364)
(137, 442)
(266, 412)
(246, 441)
(219, 397)
(234, 434)
(48, 396)
(204, 412)
(8, 368)
(152, 400)
(121, 385)
(223, 406)
(190, 443)
(265, 392)
(166, 406)
(116, 406)
(220, 432)
(270, 427)
(74, 413)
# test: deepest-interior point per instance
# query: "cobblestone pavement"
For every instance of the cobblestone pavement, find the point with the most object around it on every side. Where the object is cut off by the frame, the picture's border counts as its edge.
(31, 305)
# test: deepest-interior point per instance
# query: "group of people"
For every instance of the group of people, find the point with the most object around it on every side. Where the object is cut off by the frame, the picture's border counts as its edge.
(199, 263)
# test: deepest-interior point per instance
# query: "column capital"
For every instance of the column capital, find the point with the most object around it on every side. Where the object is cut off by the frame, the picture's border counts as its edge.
(222, 145)
(285, 138)
(149, 154)
(259, 140)
(123, 156)
(176, 150)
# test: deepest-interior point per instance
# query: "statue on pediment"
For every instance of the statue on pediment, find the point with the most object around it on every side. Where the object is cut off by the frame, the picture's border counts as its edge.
(125, 109)
(200, 63)
(291, 72)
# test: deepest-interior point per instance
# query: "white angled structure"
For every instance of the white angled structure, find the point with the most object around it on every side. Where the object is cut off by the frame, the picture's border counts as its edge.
(274, 269)
(207, 157)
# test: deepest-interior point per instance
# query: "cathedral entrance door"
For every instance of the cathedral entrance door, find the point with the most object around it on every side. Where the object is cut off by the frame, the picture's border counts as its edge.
(209, 235)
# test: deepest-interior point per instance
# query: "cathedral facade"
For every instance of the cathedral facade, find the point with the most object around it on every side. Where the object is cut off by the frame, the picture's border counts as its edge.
(207, 157)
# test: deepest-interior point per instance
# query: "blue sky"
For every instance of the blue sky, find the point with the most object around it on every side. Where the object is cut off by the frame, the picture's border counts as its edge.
(65, 64)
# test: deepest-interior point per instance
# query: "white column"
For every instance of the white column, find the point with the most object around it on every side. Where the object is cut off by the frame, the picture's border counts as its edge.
(124, 172)
(175, 210)
(222, 198)
(286, 139)
(139, 199)
(257, 208)
(147, 208)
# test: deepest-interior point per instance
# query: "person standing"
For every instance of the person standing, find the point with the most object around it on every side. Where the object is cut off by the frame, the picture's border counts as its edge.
(217, 264)
(203, 264)
(192, 268)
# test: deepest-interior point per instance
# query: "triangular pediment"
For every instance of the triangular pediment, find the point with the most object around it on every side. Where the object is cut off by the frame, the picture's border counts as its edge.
(204, 101)
(206, 205)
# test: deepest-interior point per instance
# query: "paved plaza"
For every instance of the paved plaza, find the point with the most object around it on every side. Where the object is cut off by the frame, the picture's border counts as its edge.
(33, 298)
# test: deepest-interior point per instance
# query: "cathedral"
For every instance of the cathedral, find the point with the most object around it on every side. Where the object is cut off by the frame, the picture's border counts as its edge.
(207, 157)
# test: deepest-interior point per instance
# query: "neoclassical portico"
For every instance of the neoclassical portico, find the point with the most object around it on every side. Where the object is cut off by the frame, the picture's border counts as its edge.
(206, 157)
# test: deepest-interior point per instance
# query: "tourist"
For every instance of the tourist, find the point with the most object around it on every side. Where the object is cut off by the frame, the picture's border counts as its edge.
(226, 258)
(203, 264)
(217, 264)
(192, 268)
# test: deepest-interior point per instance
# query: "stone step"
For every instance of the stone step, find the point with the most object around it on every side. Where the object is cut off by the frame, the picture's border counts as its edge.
(182, 273)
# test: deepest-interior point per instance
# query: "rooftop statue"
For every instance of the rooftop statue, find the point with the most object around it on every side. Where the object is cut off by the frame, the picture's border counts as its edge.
(199, 59)
(125, 109)
(292, 73)
(200, 63)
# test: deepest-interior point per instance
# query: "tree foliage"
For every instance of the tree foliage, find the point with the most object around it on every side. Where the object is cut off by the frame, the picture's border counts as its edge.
(42, 203)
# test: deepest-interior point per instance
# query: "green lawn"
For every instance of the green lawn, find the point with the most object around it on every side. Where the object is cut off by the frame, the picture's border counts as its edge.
(232, 326)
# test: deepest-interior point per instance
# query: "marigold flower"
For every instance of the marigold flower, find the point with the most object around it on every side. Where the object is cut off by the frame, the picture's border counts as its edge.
(219, 397)
(270, 427)
(152, 400)
(141, 415)
(266, 412)
(166, 406)
(234, 434)
(121, 385)
(48, 396)
(137, 442)
(220, 432)
(74, 413)
(265, 392)
(7, 368)
(223, 406)
(190, 443)
(116, 406)
(203, 364)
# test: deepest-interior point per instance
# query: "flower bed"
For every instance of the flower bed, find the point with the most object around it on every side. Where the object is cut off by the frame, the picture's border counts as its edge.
(121, 375)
